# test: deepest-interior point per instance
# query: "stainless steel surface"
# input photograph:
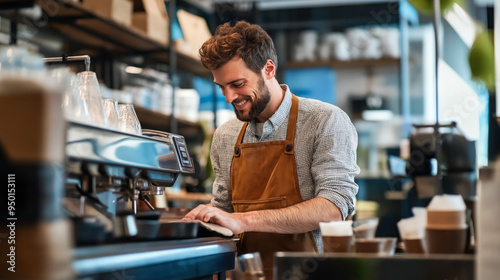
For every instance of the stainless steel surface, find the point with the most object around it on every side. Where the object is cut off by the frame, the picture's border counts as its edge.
(141, 184)
(84, 58)
(180, 145)
(96, 144)
(154, 191)
(98, 259)
(178, 230)
(370, 267)
(93, 144)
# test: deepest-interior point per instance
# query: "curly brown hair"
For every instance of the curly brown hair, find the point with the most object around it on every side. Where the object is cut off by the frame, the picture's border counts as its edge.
(245, 40)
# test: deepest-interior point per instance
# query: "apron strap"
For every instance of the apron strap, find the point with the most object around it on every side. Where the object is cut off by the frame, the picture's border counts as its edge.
(239, 140)
(292, 122)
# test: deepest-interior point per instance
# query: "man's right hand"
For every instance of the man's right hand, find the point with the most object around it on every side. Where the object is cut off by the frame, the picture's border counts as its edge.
(208, 213)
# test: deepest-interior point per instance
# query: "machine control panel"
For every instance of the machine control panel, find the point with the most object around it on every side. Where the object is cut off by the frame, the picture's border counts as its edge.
(180, 144)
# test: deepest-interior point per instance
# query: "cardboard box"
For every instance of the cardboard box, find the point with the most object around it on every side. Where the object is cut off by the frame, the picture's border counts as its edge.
(149, 18)
(156, 27)
(118, 10)
(195, 31)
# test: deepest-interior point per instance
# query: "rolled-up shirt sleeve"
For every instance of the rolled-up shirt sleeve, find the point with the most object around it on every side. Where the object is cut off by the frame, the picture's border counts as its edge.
(334, 162)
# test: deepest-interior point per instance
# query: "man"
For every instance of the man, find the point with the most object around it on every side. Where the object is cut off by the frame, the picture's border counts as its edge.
(286, 164)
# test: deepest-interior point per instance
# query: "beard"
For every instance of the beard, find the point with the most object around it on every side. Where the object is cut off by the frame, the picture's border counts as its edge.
(263, 97)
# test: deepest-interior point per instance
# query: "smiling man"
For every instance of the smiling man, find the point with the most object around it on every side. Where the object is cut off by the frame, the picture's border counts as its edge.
(286, 164)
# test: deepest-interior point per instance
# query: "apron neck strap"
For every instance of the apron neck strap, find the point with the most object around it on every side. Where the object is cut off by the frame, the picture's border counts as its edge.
(240, 136)
(292, 121)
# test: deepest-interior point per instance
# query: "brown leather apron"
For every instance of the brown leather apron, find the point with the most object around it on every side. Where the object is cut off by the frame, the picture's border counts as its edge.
(264, 176)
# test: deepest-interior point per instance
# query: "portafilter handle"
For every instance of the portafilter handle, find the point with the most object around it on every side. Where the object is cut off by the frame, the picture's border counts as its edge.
(146, 200)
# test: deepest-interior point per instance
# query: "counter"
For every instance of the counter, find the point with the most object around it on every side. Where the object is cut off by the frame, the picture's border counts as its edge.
(198, 258)
(371, 267)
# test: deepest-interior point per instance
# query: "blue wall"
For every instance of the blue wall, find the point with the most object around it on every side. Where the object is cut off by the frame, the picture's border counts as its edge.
(316, 83)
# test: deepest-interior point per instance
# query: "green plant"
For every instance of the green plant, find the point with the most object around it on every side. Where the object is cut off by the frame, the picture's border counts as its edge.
(426, 6)
(482, 59)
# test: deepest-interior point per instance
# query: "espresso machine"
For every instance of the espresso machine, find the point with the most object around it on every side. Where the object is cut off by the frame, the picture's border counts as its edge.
(442, 163)
(110, 172)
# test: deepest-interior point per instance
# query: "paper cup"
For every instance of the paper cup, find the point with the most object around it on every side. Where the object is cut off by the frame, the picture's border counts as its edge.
(337, 236)
(372, 245)
(337, 244)
(365, 228)
(380, 245)
(446, 241)
(415, 245)
(389, 245)
(444, 219)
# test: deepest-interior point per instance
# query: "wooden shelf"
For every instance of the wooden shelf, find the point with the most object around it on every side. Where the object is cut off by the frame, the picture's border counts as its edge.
(16, 4)
(383, 62)
(92, 29)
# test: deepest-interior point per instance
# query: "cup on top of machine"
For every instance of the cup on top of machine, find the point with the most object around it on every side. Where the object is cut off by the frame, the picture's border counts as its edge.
(446, 225)
(337, 236)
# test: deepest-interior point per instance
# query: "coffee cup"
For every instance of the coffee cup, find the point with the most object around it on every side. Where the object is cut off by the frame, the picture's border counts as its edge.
(412, 231)
(446, 241)
(446, 229)
(337, 236)
(337, 244)
(415, 245)
(379, 245)
(370, 245)
(389, 245)
(365, 228)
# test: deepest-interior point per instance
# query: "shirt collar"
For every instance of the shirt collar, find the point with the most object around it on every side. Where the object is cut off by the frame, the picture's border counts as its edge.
(282, 113)
(277, 118)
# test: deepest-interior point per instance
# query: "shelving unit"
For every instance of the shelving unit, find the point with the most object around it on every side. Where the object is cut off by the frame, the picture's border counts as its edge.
(75, 21)
(345, 63)
(16, 4)
(101, 35)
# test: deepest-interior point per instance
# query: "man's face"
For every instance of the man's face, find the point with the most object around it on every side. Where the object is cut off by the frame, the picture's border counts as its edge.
(243, 88)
